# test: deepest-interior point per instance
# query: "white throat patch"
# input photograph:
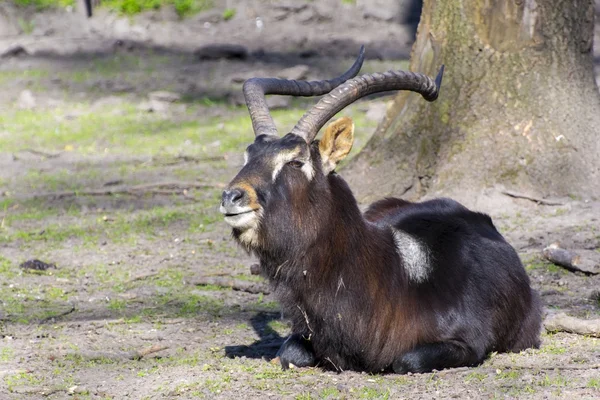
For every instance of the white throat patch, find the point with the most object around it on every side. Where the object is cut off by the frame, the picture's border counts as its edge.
(414, 254)
(249, 235)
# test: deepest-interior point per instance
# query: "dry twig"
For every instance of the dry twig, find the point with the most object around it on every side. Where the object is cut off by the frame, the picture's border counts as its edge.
(535, 199)
(561, 322)
(41, 153)
(571, 261)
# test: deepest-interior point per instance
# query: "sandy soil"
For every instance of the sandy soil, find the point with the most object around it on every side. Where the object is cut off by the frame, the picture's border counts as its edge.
(127, 311)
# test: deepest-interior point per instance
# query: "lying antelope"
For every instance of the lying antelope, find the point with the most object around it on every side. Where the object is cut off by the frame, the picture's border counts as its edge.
(408, 287)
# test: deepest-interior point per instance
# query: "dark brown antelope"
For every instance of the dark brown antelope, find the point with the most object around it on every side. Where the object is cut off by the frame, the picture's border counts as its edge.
(408, 287)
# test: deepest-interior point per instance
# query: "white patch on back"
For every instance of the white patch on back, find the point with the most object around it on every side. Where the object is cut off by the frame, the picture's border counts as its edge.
(414, 254)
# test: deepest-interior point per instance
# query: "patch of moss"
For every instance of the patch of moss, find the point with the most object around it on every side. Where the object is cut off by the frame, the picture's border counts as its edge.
(13, 381)
(43, 4)
(182, 7)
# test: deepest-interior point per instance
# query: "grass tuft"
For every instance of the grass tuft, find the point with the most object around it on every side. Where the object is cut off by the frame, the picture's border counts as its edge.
(182, 7)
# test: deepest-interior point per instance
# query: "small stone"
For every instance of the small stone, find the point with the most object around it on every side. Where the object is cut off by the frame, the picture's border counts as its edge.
(26, 100)
(153, 106)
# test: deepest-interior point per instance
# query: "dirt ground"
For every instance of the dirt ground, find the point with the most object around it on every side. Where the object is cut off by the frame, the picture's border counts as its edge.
(115, 143)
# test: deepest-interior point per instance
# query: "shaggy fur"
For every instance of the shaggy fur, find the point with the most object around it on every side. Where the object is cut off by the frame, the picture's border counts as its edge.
(342, 279)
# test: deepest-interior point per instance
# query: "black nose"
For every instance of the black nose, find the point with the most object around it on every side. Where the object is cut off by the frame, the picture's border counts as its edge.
(233, 197)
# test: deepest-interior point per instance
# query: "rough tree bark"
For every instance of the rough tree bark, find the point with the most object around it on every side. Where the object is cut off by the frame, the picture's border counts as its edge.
(519, 106)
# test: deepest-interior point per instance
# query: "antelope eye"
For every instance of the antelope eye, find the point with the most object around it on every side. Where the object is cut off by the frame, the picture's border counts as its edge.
(296, 164)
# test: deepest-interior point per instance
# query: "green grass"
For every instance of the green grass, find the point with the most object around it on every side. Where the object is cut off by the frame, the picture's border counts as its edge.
(132, 131)
(374, 393)
(7, 269)
(22, 379)
(182, 7)
(117, 227)
(229, 13)
(476, 377)
(552, 348)
(32, 75)
(536, 263)
(6, 354)
(43, 4)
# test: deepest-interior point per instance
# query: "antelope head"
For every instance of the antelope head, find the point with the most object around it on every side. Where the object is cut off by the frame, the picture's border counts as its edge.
(283, 191)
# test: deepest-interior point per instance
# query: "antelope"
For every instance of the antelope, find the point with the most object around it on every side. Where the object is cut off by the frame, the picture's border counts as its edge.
(403, 287)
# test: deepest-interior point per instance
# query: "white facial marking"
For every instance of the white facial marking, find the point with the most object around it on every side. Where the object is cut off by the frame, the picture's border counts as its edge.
(415, 254)
(246, 157)
(283, 158)
(308, 170)
(280, 160)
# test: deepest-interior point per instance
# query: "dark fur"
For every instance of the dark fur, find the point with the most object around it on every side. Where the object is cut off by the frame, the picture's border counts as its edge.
(352, 306)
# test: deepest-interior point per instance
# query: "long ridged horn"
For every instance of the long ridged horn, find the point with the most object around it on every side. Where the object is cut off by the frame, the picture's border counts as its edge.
(255, 90)
(313, 120)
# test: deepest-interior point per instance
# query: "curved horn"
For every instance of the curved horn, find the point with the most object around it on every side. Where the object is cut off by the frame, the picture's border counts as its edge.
(255, 90)
(314, 119)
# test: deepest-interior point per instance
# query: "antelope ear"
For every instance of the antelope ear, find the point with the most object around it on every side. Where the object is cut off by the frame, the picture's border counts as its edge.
(336, 143)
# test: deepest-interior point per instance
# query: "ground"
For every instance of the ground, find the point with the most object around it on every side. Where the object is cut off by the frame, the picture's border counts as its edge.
(118, 186)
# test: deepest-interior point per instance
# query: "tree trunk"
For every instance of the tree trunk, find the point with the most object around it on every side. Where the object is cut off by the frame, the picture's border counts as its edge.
(519, 107)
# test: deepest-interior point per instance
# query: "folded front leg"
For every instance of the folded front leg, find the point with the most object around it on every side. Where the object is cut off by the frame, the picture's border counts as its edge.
(427, 357)
(296, 351)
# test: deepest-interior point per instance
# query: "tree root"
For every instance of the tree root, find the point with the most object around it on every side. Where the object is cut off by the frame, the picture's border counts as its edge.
(561, 322)
(534, 199)
(571, 261)
(231, 283)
